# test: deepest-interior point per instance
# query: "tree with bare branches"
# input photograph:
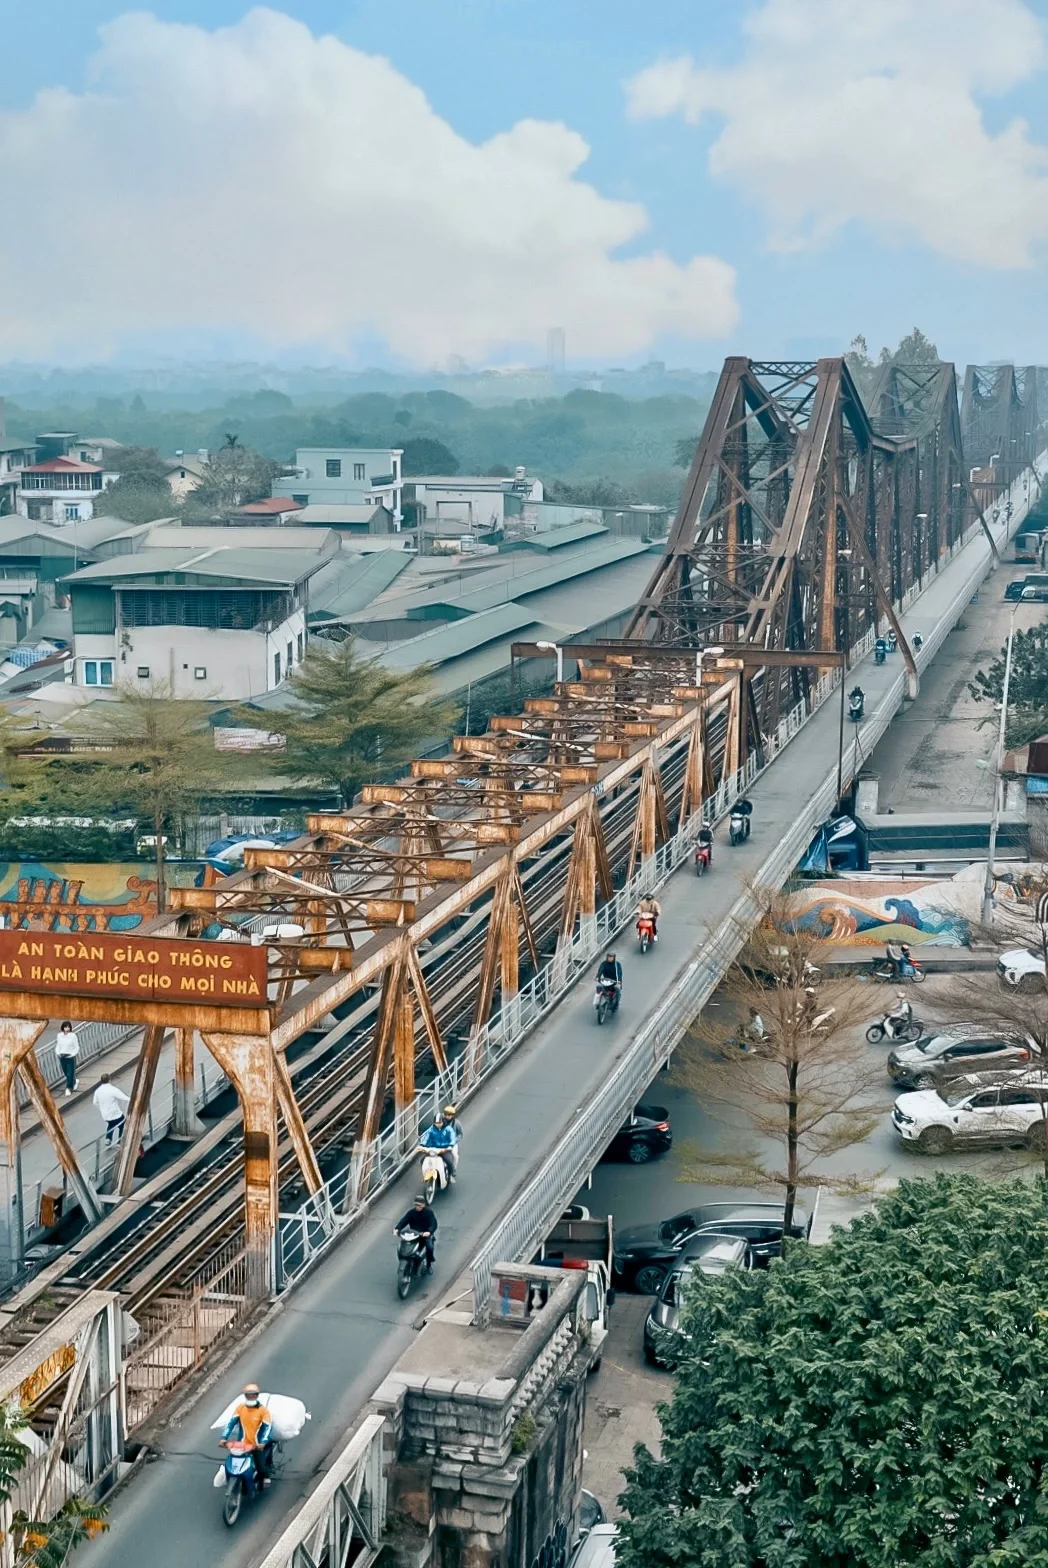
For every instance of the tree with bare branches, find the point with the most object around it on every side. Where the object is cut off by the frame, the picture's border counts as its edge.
(1020, 1012)
(797, 1070)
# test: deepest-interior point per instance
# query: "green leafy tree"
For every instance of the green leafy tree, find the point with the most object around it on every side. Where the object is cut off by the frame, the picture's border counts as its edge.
(684, 451)
(142, 492)
(41, 1543)
(914, 349)
(158, 759)
(233, 476)
(875, 1402)
(351, 720)
(1027, 688)
(424, 455)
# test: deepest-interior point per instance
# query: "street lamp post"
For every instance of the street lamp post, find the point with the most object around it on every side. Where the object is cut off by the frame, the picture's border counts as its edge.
(986, 914)
(704, 653)
(553, 647)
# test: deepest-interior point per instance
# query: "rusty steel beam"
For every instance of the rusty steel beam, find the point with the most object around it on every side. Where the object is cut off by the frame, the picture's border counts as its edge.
(138, 1107)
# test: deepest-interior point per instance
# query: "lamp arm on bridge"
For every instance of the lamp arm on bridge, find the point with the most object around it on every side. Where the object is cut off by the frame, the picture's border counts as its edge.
(982, 518)
(856, 535)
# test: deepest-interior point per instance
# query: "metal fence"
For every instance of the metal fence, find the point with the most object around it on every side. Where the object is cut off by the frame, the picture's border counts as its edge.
(341, 1522)
(310, 1230)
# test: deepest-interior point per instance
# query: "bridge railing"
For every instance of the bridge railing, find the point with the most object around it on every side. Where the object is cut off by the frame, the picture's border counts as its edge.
(342, 1521)
(307, 1232)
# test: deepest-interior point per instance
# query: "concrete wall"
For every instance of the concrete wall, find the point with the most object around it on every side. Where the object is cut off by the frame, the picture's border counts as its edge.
(237, 664)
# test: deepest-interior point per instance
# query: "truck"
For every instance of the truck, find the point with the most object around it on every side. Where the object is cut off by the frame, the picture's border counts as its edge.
(581, 1241)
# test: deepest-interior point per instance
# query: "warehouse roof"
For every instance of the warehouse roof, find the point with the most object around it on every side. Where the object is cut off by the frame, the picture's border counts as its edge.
(348, 582)
(278, 568)
(453, 640)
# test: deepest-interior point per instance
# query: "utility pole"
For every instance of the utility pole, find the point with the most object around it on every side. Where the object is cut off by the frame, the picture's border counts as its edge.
(986, 914)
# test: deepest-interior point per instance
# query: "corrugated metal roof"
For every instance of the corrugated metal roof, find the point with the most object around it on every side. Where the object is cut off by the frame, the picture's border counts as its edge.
(456, 639)
(501, 584)
(279, 567)
(554, 538)
(348, 582)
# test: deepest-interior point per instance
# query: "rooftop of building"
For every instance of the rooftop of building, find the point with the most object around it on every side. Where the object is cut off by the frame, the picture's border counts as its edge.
(265, 567)
(62, 465)
(269, 506)
(332, 515)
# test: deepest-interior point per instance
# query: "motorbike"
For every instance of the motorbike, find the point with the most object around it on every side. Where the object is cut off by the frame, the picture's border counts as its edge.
(242, 1480)
(880, 651)
(738, 827)
(411, 1259)
(434, 1172)
(605, 999)
(646, 931)
(890, 1029)
(884, 969)
(703, 857)
(857, 706)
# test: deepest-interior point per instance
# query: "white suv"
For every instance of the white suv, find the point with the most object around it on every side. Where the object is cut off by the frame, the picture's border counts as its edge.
(977, 1110)
(1021, 970)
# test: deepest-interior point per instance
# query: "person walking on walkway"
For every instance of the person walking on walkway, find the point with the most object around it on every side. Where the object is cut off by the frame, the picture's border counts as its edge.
(67, 1049)
(109, 1102)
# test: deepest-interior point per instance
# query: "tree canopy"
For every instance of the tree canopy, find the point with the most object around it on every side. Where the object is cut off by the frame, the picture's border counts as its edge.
(1027, 688)
(142, 492)
(350, 719)
(874, 1402)
(233, 476)
(424, 455)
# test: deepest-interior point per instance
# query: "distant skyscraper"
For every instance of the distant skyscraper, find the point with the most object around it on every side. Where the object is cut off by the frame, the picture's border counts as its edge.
(555, 351)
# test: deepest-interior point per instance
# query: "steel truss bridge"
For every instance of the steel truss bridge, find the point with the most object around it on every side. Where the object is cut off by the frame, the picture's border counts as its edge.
(414, 938)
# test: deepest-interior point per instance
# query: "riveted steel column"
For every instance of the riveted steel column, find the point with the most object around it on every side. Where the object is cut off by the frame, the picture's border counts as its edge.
(247, 1060)
(17, 1036)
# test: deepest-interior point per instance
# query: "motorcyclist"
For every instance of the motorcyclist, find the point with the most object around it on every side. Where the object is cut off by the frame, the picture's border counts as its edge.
(880, 650)
(895, 952)
(452, 1120)
(704, 844)
(252, 1423)
(649, 908)
(753, 1031)
(611, 971)
(899, 1015)
(893, 641)
(857, 700)
(441, 1139)
(420, 1218)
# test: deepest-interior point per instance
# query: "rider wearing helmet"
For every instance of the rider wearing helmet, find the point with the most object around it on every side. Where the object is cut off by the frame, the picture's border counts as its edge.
(452, 1121)
(611, 970)
(441, 1139)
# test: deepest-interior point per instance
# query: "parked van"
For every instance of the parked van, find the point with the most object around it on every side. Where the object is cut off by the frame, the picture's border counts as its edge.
(597, 1549)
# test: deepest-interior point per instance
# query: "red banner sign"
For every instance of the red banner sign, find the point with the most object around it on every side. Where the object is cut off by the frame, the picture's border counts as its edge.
(131, 968)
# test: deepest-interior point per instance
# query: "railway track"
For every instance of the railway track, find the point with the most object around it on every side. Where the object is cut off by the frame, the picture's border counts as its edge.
(185, 1221)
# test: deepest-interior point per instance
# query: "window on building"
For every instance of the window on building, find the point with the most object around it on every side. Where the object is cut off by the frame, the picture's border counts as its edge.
(300, 645)
(199, 672)
(72, 513)
(303, 500)
(290, 656)
(333, 467)
(358, 470)
(98, 672)
(143, 672)
(276, 669)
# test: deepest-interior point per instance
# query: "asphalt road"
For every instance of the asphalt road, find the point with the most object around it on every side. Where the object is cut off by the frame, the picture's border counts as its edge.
(339, 1335)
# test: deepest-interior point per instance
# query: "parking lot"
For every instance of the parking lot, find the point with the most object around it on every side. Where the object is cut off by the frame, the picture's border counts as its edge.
(623, 1393)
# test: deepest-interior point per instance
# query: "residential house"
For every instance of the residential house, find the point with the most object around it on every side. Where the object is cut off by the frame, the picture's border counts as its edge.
(184, 472)
(346, 476)
(61, 490)
(276, 511)
(14, 456)
(211, 618)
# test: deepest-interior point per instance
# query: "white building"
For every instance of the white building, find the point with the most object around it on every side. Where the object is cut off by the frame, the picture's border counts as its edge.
(345, 476)
(212, 619)
(61, 490)
(457, 504)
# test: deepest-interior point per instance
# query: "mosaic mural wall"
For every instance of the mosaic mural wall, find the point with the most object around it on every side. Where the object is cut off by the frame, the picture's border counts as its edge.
(845, 912)
(83, 897)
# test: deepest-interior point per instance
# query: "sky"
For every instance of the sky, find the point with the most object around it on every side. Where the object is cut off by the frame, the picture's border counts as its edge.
(360, 182)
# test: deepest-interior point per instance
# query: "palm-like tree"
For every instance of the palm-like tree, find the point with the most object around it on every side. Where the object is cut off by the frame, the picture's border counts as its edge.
(41, 1543)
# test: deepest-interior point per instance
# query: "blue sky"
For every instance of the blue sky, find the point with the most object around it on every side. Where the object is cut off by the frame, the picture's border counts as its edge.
(765, 177)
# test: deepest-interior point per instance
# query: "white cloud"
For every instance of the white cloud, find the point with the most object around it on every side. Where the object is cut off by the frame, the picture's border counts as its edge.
(868, 111)
(260, 180)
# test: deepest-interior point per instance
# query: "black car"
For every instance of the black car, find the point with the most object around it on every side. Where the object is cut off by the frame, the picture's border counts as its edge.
(934, 1059)
(644, 1255)
(1015, 588)
(647, 1133)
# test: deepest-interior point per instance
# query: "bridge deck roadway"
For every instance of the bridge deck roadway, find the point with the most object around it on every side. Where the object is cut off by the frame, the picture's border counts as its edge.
(341, 1332)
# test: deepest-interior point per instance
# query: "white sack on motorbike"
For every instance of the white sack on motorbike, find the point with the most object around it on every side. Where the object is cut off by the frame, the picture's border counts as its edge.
(288, 1415)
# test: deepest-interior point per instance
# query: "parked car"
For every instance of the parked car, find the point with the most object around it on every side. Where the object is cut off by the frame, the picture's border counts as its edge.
(935, 1059)
(596, 1549)
(647, 1133)
(705, 1258)
(1038, 594)
(1021, 970)
(644, 1255)
(1015, 588)
(974, 1112)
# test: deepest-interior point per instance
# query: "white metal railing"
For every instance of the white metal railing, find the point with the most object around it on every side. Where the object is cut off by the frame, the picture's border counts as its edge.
(95, 1041)
(307, 1232)
(342, 1520)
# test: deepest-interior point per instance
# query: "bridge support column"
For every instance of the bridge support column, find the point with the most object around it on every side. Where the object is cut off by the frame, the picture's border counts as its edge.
(247, 1060)
(17, 1036)
(186, 1123)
